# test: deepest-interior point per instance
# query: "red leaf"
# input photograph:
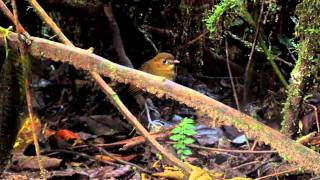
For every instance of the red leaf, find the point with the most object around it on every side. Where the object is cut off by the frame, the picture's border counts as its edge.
(67, 135)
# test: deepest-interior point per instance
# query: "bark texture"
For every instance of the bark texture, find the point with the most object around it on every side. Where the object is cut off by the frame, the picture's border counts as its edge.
(9, 109)
(308, 29)
(295, 153)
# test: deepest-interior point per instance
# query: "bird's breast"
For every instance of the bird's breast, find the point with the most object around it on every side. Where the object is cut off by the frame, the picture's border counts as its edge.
(168, 72)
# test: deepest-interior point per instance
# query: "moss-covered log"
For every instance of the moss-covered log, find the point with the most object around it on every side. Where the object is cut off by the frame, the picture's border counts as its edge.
(295, 153)
(308, 29)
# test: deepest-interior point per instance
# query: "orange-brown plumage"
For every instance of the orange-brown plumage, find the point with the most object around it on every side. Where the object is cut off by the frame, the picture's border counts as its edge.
(163, 64)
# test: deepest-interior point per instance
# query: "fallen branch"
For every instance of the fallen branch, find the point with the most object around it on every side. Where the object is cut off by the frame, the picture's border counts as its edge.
(222, 114)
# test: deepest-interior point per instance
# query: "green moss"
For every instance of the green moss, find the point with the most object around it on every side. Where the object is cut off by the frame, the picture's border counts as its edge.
(5, 33)
(217, 12)
(116, 98)
(305, 71)
(258, 127)
(238, 122)
(285, 158)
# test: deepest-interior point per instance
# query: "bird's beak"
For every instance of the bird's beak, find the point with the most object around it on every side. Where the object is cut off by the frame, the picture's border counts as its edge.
(175, 61)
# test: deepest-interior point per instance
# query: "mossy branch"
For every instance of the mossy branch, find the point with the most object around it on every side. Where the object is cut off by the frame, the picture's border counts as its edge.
(222, 114)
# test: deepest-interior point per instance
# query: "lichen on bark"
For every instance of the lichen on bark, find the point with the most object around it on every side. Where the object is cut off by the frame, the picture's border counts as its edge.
(308, 30)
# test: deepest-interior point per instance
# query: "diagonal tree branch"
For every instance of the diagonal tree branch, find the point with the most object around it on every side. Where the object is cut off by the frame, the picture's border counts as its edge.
(222, 114)
(106, 89)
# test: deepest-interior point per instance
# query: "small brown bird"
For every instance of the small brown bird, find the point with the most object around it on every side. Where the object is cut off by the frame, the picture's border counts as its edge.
(163, 64)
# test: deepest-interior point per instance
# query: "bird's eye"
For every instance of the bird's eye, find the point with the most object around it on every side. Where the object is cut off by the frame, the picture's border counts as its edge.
(165, 61)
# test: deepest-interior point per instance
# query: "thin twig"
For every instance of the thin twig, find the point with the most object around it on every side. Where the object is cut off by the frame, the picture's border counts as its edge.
(277, 174)
(129, 143)
(254, 145)
(120, 160)
(197, 38)
(267, 52)
(28, 92)
(231, 150)
(10, 16)
(284, 61)
(46, 18)
(83, 155)
(246, 164)
(230, 74)
(147, 38)
(248, 74)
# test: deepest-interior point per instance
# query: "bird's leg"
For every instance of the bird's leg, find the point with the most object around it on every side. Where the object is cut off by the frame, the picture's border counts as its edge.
(152, 124)
(155, 114)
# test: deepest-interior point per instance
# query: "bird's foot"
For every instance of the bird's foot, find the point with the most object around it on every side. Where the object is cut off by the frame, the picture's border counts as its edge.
(152, 107)
(155, 125)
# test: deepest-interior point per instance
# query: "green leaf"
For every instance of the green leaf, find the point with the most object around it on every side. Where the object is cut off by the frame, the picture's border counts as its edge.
(180, 151)
(159, 156)
(289, 43)
(187, 120)
(188, 141)
(182, 157)
(189, 132)
(187, 152)
(176, 130)
(180, 145)
(188, 126)
(177, 137)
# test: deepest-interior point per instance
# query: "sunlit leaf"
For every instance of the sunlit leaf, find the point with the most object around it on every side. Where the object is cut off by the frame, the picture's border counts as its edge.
(188, 141)
(190, 132)
(177, 137)
(187, 152)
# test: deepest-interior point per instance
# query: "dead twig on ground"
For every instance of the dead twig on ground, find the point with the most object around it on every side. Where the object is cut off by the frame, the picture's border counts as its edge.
(231, 150)
(120, 160)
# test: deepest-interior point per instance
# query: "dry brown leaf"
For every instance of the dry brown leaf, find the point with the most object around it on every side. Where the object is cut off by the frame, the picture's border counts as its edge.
(31, 162)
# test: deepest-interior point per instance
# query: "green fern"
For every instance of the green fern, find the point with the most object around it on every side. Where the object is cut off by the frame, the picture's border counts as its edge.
(217, 12)
(182, 135)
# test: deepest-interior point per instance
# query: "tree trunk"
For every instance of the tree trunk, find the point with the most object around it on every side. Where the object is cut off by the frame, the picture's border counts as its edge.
(10, 98)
